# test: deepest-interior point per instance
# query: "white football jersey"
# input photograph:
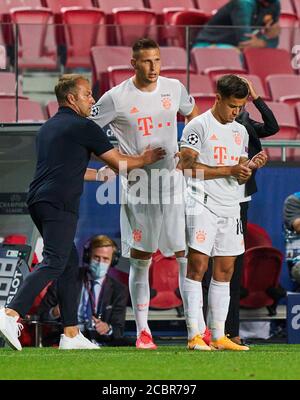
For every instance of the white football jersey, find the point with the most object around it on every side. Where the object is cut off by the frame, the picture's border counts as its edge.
(139, 118)
(217, 145)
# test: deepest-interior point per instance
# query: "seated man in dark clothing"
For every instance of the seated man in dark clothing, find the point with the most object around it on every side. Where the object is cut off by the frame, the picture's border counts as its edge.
(291, 212)
(104, 294)
(291, 218)
(235, 24)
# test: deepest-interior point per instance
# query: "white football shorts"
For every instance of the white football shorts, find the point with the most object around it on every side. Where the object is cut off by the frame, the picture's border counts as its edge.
(213, 235)
(148, 227)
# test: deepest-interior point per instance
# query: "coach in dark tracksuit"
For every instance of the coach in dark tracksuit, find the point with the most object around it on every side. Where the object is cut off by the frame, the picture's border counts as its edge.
(256, 131)
(64, 146)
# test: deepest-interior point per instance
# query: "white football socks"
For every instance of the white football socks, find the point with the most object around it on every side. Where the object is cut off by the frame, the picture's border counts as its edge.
(218, 303)
(140, 292)
(192, 291)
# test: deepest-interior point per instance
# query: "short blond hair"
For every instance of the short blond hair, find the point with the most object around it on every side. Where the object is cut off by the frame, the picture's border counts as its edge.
(102, 241)
(67, 84)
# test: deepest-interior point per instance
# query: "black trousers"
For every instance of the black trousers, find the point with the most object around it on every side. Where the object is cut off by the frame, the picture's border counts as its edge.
(60, 262)
(232, 324)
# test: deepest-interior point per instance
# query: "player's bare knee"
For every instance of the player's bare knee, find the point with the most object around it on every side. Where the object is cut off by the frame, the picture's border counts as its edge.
(223, 273)
(197, 266)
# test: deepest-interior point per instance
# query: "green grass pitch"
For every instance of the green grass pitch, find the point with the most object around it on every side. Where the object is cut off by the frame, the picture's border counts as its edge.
(262, 362)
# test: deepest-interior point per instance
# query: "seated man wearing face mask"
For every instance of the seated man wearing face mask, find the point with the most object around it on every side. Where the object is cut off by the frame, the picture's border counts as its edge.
(103, 300)
(103, 295)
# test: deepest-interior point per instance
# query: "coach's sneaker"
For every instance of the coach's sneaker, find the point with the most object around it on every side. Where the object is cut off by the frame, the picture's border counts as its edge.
(10, 330)
(76, 343)
(145, 341)
(197, 343)
(224, 343)
(206, 337)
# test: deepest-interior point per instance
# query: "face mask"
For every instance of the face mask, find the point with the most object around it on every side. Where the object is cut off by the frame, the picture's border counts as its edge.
(98, 269)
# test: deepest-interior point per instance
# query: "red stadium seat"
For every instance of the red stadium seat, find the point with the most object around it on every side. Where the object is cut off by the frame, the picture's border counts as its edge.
(174, 73)
(8, 84)
(275, 61)
(285, 88)
(193, 18)
(204, 103)
(164, 10)
(288, 24)
(104, 57)
(163, 277)
(168, 13)
(82, 31)
(296, 5)
(216, 61)
(257, 236)
(286, 6)
(133, 24)
(159, 5)
(284, 114)
(197, 83)
(173, 57)
(57, 5)
(108, 5)
(51, 108)
(168, 33)
(210, 6)
(29, 110)
(286, 119)
(118, 74)
(6, 31)
(6, 5)
(37, 48)
(260, 274)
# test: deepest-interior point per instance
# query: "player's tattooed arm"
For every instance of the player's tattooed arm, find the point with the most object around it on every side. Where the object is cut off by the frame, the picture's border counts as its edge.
(187, 158)
(191, 167)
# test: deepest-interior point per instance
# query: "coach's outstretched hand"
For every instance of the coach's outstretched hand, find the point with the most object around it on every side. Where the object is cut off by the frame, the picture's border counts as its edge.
(150, 156)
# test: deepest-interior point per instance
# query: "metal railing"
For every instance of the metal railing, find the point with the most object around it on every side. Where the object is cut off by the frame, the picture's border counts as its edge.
(283, 144)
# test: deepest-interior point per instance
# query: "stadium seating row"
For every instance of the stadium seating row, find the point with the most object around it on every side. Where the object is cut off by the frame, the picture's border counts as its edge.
(208, 6)
(78, 29)
(81, 25)
(275, 78)
(288, 7)
(109, 69)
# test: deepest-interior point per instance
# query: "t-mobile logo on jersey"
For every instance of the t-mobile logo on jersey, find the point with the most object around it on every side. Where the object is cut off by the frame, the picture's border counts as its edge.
(145, 124)
(220, 154)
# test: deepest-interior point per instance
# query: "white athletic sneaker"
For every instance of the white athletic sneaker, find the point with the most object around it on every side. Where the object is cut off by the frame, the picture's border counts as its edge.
(10, 330)
(77, 342)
